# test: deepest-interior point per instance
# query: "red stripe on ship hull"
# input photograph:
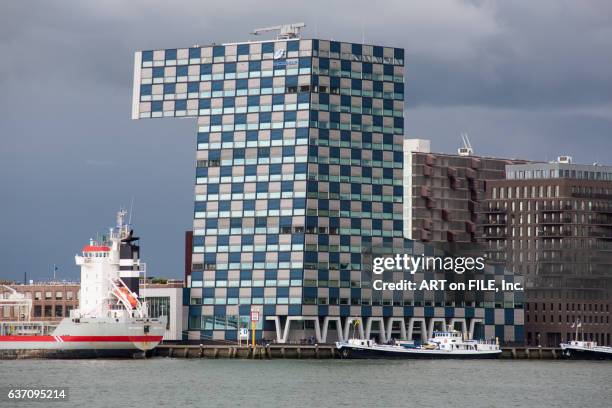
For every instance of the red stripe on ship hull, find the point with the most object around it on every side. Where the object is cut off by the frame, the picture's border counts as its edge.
(82, 338)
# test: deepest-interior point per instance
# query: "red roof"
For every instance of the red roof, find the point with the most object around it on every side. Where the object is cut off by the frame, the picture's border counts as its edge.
(95, 248)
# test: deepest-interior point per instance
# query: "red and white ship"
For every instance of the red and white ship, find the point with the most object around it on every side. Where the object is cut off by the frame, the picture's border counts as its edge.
(111, 319)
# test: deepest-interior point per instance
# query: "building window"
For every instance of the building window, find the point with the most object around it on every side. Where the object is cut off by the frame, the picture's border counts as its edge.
(159, 306)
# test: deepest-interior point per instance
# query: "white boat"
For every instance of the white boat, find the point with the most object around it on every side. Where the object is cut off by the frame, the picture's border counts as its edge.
(443, 345)
(586, 350)
(111, 319)
(581, 349)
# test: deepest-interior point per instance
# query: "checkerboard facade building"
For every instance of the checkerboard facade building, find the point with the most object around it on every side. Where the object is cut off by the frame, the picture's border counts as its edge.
(299, 171)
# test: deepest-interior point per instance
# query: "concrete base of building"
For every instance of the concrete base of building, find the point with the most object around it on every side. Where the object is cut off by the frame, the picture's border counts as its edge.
(291, 329)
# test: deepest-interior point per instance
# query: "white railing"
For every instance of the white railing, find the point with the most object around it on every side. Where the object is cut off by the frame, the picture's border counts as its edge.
(123, 294)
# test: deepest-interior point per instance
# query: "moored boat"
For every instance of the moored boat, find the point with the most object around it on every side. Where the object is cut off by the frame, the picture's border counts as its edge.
(111, 321)
(588, 350)
(443, 345)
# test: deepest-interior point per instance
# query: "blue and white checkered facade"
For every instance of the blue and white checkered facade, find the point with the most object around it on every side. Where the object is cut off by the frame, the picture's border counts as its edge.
(299, 168)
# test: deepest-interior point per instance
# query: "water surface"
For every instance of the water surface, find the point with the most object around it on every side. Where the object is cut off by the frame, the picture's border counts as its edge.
(167, 382)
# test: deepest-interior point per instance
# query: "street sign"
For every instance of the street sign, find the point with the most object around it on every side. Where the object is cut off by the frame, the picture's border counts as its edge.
(254, 316)
(244, 333)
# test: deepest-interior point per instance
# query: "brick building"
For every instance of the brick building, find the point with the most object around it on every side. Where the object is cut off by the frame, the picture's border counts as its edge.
(552, 223)
(442, 192)
(51, 301)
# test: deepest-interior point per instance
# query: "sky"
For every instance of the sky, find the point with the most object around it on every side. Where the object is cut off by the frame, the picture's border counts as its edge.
(525, 79)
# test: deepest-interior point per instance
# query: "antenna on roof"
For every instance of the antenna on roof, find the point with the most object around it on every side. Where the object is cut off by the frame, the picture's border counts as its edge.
(466, 150)
(362, 32)
(284, 31)
(131, 211)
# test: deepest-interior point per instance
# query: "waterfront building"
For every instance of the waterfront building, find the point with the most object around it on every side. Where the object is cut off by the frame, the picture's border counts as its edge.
(443, 192)
(165, 298)
(552, 223)
(299, 173)
(50, 301)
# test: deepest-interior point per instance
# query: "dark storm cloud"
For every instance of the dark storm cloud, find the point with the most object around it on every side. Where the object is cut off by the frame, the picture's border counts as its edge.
(525, 78)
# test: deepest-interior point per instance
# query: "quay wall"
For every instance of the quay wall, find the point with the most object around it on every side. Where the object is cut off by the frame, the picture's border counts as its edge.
(272, 351)
(323, 351)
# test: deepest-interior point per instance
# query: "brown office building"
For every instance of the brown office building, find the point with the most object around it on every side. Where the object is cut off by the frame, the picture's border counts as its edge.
(552, 223)
(443, 192)
(51, 301)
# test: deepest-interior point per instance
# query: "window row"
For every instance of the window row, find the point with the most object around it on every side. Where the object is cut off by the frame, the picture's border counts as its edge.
(247, 234)
(289, 212)
(276, 50)
(249, 126)
(246, 301)
(355, 197)
(246, 283)
(178, 105)
(254, 161)
(356, 127)
(266, 48)
(222, 266)
(276, 138)
(248, 213)
(359, 75)
(246, 248)
(333, 301)
(158, 76)
(228, 93)
(221, 322)
(213, 249)
(231, 70)
(336, 161)
(357, 110)
(273, 172)
(221, 175)
(362, 58)
(248, 196)
(253, 143)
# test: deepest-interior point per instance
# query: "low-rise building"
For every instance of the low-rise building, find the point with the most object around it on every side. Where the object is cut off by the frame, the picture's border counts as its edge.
(51, 301)
(165, 297)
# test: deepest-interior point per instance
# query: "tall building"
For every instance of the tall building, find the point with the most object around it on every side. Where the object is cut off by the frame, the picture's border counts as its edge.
(552, 223)
(299, 171)
(443, 192)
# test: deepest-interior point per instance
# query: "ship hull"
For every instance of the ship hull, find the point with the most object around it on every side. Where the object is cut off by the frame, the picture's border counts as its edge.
(354, 352)
(81, 353)
(576, 353)
(93, 337)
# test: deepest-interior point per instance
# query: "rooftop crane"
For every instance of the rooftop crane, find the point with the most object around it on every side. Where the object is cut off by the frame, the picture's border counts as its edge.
(466, 150)
(285, 31)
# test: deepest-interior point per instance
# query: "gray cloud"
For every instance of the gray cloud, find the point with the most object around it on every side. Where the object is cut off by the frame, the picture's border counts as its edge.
(525, 79)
